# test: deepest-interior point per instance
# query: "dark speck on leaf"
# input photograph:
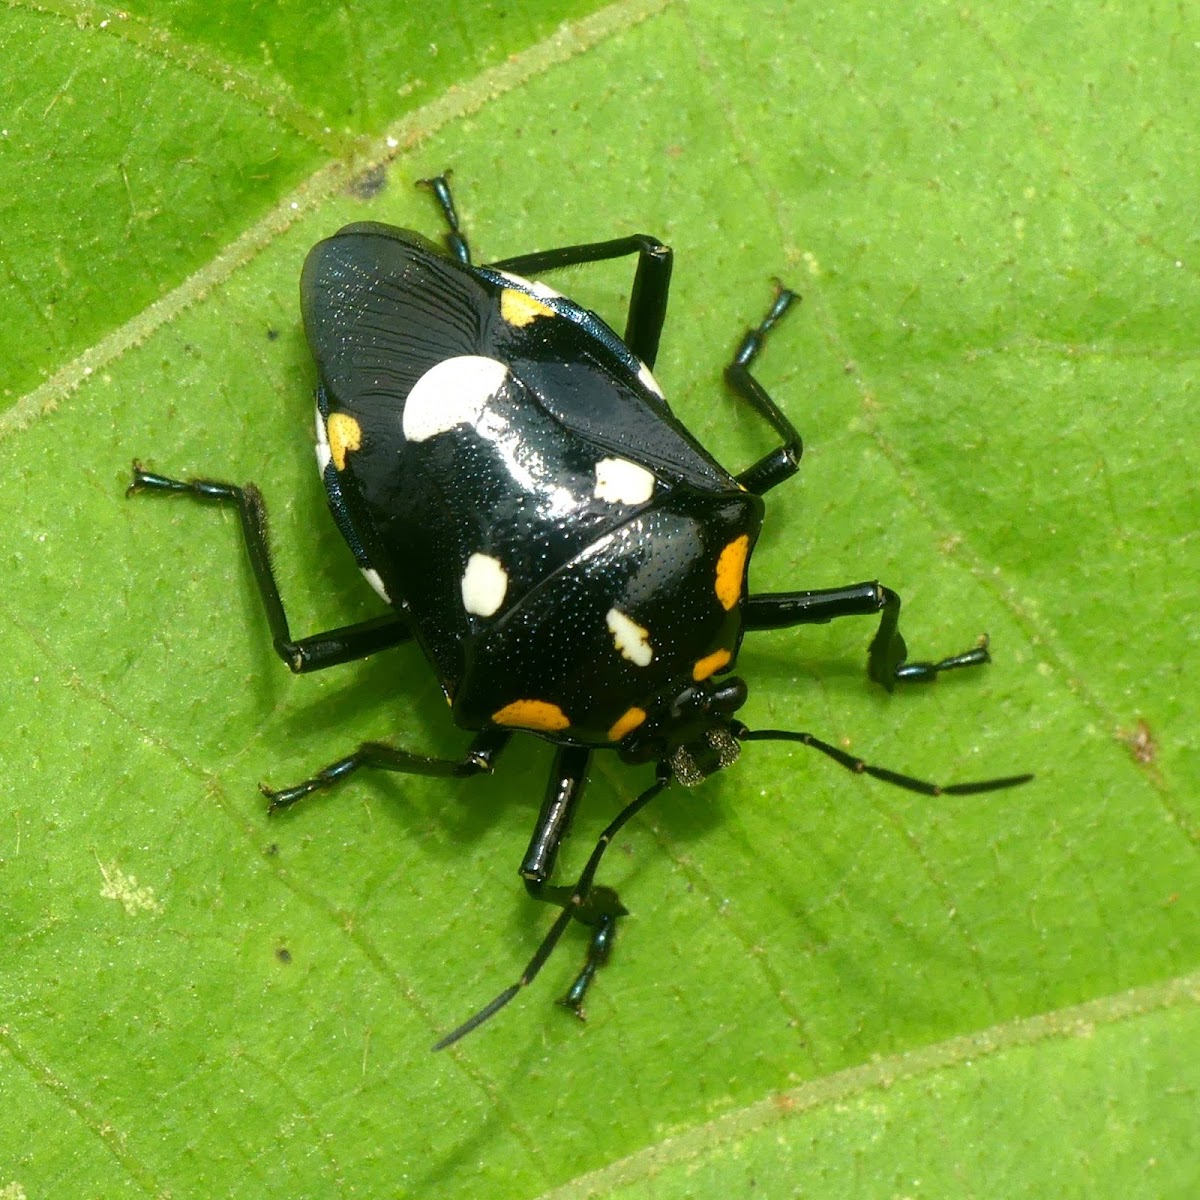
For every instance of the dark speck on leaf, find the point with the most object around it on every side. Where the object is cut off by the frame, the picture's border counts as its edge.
(369, 184)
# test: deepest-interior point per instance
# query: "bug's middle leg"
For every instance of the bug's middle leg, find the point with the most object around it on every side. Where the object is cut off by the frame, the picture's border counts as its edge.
(784, 461)
(600, 906)
(479, 759)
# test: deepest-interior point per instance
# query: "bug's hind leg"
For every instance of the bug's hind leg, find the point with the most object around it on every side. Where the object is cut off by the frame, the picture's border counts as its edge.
(312, 653)
(784, 461)
(456, 240)
(651, 282)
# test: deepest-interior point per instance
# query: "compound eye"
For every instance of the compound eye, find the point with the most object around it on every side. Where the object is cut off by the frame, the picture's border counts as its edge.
(687, 703)
(730, 696)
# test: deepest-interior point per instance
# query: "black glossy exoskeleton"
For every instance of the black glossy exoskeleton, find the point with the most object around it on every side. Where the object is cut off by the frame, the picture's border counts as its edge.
(569, 558)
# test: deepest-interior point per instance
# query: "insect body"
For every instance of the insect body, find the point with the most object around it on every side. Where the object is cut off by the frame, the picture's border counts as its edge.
(512, 481)
(571, 561)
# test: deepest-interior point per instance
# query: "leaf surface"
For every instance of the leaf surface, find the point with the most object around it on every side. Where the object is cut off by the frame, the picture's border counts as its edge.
(827, 986)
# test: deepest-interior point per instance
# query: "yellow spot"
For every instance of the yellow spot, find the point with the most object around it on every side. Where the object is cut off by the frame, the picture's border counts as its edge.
(710, 664)
(731, 567)
(626, 723)
(520, 308)
(532, 714)
(344, 434)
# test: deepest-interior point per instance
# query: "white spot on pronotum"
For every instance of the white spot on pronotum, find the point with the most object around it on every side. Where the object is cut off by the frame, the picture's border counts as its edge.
(484, 584)
(372, 577)
(630, 639)
(125, 890)
(648, 381)
(454, 392)
(621, 482)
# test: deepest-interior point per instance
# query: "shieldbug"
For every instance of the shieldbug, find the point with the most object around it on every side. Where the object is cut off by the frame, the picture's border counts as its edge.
(569, 558)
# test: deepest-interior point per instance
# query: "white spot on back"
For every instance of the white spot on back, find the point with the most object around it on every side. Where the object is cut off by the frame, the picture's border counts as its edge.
(621, 482)
(372, 577)
(323, 453)
(648, 381)
(535, 287)
(454, 392)
(630, 639)
(484, 584)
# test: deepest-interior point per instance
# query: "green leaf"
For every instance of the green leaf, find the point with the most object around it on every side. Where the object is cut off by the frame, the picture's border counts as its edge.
(827, 986)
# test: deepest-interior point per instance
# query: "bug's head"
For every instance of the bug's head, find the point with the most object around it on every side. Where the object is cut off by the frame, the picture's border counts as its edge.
(690, 732)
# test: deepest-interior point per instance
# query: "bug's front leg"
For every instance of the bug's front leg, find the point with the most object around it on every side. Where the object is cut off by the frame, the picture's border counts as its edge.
(600, 906)
(575, 901)
(887, 657)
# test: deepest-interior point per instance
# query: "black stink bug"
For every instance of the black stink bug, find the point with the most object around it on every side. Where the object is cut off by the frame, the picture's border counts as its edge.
(571, 561)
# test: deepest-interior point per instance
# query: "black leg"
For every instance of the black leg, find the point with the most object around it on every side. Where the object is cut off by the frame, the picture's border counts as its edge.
(599, 948)
(651, 282)
(312, 653)
(456, 241)
(782, 462)
(602, 906)
(479, 759)
(887, 657)
(579, 897)
(554, 821)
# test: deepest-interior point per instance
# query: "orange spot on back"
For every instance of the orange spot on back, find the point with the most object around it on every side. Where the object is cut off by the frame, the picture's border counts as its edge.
(628, 721)
(344, 434)
(710, 664)
(539, 715)
(520, 308)
(731, 569)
